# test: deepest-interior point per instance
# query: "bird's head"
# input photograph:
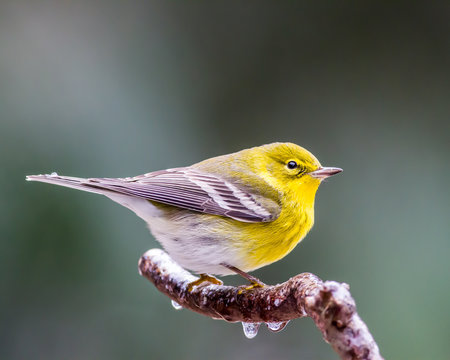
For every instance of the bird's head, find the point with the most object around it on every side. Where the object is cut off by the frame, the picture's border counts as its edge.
(294, 168)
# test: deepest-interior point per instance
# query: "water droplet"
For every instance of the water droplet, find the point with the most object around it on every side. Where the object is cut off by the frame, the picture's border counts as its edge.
(54, 174)
(176, 306)
(276, 326)
(250, 329)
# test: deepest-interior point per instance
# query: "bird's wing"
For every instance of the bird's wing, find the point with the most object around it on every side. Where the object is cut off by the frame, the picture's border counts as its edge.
(192, 189)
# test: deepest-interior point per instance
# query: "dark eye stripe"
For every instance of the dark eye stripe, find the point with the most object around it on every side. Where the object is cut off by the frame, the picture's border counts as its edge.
(301, 172)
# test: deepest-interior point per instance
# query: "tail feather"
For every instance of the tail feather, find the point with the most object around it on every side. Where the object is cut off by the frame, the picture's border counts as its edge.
(68, 181)
(140, 206)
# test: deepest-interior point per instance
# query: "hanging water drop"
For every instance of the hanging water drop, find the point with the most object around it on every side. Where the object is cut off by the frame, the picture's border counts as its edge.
(276, 326)
(250, 329)
(53, 174)
(176, 306)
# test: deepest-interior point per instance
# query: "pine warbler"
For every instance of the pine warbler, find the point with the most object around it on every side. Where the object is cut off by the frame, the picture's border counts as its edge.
(229, 214)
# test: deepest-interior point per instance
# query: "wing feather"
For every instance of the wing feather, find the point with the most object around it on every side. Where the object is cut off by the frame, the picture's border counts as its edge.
(193, 190)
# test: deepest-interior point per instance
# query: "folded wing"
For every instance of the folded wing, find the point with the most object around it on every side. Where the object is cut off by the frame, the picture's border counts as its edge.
(182, 187)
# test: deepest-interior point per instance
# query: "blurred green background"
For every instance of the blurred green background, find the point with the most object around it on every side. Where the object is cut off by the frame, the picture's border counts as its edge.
(114, 89)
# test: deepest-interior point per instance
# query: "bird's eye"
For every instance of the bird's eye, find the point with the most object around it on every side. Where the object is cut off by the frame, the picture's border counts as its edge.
(292, 165)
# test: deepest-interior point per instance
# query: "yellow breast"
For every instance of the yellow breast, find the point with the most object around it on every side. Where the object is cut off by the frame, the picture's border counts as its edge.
(265, 243)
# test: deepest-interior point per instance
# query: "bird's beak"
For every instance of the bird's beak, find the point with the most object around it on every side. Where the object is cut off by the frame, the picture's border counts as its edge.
(324, 172)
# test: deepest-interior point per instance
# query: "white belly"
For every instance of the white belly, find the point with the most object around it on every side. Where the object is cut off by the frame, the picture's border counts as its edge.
(194, 247)
(191, 244)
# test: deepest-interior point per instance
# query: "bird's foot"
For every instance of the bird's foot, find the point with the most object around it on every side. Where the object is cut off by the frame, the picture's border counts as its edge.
(203, 279)
(253, 285)
(254, 281)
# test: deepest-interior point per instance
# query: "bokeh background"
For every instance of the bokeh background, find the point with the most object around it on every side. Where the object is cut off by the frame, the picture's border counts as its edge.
(111, 88)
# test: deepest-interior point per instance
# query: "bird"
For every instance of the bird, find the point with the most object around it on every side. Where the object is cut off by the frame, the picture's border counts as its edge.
(230, 214)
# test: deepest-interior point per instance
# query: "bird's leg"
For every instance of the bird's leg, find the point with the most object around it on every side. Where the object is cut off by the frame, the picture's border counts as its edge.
(202, 279)
(254, 281)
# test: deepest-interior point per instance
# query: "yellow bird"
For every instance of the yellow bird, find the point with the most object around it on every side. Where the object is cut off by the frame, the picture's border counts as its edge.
(228, 214)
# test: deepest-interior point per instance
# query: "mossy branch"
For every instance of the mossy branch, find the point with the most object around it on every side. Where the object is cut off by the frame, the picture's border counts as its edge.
(328, 303)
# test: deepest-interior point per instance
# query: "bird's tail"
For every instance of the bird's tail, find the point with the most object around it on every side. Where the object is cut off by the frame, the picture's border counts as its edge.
(139, 205)
(68, 181)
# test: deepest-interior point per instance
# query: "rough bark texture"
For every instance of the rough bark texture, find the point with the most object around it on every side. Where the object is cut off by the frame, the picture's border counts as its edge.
(328, 303)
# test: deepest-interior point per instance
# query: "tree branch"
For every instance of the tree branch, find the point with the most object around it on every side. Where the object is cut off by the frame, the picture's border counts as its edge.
(328, 303)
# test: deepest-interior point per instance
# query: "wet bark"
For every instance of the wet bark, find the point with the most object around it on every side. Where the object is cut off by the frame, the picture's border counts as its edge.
(328, 303)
